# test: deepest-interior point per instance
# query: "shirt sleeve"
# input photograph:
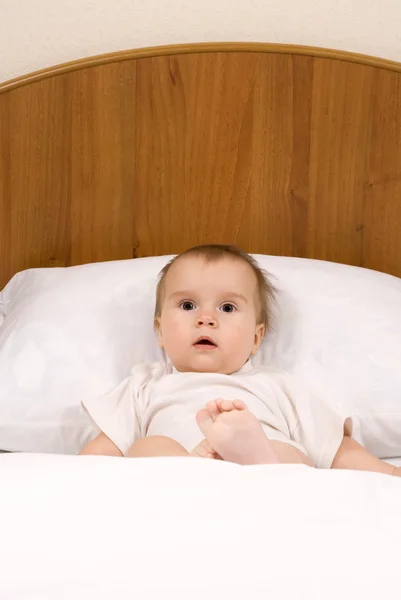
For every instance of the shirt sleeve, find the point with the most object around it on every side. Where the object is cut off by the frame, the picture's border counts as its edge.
(117, 413)
(314, 422)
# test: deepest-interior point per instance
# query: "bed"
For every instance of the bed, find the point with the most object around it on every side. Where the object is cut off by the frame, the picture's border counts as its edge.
(294, 154)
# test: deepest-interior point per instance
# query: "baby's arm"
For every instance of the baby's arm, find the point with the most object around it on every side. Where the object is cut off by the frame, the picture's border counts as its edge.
(352, 455)
(101, 445)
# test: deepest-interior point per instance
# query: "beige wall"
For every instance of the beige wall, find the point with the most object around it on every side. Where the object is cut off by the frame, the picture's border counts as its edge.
(38, 33)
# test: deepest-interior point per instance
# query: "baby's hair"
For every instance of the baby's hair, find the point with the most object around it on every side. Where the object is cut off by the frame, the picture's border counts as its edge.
(213, 253)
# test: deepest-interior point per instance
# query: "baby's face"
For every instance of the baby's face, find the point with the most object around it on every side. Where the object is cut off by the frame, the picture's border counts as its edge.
(214, 302)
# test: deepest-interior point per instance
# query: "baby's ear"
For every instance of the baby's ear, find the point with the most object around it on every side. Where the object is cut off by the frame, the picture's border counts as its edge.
(159, 332)
(259, 335)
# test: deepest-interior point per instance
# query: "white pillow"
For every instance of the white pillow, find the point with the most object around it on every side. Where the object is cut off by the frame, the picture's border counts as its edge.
(72, 332)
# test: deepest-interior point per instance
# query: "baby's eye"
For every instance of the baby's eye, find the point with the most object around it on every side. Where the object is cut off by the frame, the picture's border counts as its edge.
(228, 307)
(187, 305)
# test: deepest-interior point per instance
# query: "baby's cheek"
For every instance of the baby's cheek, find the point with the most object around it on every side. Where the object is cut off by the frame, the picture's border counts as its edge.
(243, 337)
(173, 320)
(176, 328)
(239, 337)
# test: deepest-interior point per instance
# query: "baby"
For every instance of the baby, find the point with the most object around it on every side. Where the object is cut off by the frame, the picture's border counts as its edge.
(212, 312)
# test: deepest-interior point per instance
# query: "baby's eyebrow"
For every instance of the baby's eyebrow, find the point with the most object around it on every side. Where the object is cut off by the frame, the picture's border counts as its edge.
(185, 293)
(182, 295)
(236, 295)
(225, 295)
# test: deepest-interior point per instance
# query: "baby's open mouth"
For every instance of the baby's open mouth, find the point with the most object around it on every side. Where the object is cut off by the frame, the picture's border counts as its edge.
(205, 343)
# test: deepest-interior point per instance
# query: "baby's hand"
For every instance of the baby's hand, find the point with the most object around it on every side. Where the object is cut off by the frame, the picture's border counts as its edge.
(204, 450)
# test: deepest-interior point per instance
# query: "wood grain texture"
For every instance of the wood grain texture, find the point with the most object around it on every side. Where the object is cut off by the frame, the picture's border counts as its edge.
(203, 47)
(280, 153)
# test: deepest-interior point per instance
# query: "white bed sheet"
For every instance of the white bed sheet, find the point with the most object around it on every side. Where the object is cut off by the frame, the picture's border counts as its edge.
(192, 529)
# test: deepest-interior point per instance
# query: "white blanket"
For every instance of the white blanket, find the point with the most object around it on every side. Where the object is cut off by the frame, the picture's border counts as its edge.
(192, 529)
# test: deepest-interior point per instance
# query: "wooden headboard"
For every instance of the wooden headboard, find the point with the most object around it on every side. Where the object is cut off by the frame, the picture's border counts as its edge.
(280, 149)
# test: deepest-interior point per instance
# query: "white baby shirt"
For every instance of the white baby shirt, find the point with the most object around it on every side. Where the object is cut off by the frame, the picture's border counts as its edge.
(156, 399)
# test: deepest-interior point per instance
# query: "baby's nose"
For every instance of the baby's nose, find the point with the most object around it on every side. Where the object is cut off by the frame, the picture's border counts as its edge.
(206, 320)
